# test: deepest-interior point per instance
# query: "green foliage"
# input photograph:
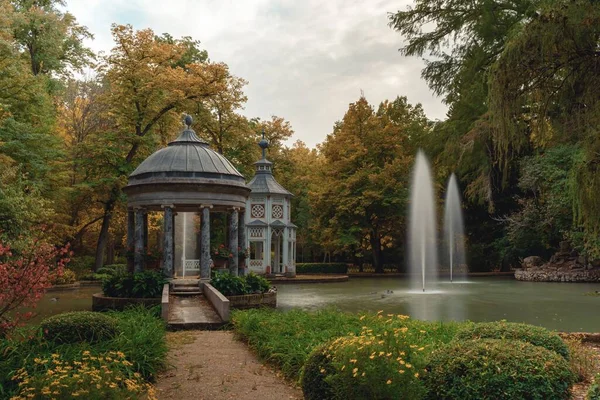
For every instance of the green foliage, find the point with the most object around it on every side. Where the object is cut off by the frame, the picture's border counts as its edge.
(366, 366)
(67, 277)
(146, 284)
(594, 390)
(287, 339)
(321, 268)
(95, 277)
(79, 326)
(535, 335)
(497, 369)
(316, 369)
(229, 285)
(141, 342)
(113, 269)
(81, 264)
(256, 283)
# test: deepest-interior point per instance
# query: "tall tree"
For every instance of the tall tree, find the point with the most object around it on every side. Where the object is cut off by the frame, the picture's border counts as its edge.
(52, 40)
(147, 84)
(364, 183)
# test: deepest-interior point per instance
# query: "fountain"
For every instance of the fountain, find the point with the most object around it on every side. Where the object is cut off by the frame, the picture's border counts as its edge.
(453, 227)
(422, 231)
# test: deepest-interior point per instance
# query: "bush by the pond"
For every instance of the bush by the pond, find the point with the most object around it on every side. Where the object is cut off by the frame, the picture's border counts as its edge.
(79, 326)
(231, 285)
(81, 264)
(535, 335)
(141, 343)
(67, 277)
(321, 268)
(497, 369)
(146, 284)
(112, 269)
(366, 366)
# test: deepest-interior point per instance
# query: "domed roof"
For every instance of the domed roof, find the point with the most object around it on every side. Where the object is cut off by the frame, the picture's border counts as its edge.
(186, 173)
(186, 155)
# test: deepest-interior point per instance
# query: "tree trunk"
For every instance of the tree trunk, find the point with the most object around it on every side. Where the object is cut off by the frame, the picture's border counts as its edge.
(376, 250)
(103, 237)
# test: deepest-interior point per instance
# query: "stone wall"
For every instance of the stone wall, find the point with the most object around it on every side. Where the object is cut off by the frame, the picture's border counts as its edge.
(557, 275)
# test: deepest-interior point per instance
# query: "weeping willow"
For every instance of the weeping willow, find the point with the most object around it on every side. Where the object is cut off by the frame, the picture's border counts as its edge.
(544, 90)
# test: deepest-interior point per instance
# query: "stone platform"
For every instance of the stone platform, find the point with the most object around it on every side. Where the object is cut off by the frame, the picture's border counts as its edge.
(192, 312)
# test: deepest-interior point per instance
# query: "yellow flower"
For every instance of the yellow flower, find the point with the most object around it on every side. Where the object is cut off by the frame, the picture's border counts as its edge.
(322, 370)
(355, 370)
(363, 317)
(343, 367)
(421, 348)
(417, 375)
(353, 361)
(408, 365)
(86, 353)
(389, 382)
(371, 356)
(401, 371)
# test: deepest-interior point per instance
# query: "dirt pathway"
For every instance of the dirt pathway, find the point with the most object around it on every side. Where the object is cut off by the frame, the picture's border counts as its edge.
(213, 365)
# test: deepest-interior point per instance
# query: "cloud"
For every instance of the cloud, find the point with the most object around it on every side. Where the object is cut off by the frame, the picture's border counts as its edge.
(305, 61)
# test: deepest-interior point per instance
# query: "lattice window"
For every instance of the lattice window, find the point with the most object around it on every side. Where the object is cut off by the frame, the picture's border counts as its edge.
(277, 211)
(256, 232)
(257, 211)
(278, 232)
(256, 263)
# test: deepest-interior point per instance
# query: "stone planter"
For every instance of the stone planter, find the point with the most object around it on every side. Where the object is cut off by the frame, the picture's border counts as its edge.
(253, 301)
(102, 303)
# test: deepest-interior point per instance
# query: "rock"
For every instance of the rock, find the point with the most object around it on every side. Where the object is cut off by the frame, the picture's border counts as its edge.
(532, 261)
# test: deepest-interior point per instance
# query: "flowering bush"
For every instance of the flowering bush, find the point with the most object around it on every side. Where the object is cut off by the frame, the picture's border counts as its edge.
(66, 278)
(24, 278)
(374, 364)
(106, 376)
(222, 252)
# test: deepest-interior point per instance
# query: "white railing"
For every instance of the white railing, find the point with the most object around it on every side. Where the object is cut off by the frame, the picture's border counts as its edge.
(191, 266)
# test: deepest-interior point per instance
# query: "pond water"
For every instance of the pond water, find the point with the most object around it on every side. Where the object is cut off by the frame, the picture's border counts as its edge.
(557, 306)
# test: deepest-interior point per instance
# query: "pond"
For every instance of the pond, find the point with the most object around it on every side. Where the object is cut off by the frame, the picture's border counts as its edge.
(557, 306)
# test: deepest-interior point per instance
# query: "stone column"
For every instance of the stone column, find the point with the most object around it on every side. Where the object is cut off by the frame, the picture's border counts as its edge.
(243, 267)
(130, 239)
(168, 253)
(138, 258)
(233, 241)
(145, 231)
(205, 260)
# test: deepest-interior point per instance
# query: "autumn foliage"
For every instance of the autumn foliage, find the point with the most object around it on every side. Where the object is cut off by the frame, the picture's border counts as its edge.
(24, 277)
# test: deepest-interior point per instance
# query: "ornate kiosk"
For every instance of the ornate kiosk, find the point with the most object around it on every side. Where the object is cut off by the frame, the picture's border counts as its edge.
(187, 176)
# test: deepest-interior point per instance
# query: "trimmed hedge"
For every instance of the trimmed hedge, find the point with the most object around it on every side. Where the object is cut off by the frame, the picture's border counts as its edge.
(231, 285)
(497, 369)
(321, 268)
(79, 326)
(535, 335)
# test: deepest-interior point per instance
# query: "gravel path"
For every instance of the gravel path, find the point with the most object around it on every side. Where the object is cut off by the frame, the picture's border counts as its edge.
(213, 365)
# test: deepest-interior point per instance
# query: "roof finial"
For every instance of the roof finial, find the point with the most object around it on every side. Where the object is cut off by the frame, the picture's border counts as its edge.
(188, 120)
(263, 144)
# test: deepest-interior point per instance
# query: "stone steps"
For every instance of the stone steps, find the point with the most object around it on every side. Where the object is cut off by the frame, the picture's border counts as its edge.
(191, 310)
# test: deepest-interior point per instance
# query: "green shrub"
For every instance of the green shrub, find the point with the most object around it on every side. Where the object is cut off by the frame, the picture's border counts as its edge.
(89, 377)
(79, 326)
(146, 284)
(535, 335)
(594, 390)
(321, 268)
(81, 264)
(366, 366)
(312, 379)
(94, 277)
(497, 369)
(230, 285)
(112, 269)
(66, 278)
(256, 283)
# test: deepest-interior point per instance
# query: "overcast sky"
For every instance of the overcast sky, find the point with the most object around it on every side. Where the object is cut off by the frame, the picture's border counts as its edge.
(304, 60)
